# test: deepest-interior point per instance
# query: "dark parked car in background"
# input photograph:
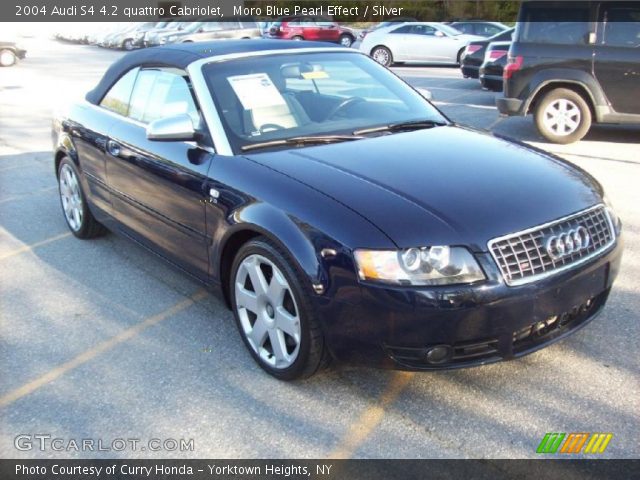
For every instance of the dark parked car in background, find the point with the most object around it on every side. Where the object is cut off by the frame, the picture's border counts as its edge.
(10, 53)
(473, 55)
(572, 74)
(337, 212)
(311, 28)
(480, 28)
(492, 67)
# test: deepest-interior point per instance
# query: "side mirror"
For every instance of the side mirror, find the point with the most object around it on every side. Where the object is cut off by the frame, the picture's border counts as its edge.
(425, 93)
(438, 34)
(178, 128)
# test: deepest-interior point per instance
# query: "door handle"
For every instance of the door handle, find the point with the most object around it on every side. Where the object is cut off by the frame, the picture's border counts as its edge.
(113, 148)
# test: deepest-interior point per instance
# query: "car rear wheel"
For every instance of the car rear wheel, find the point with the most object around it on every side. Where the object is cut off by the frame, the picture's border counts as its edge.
(346, 40)
(79, 218)
(273, 312)
(297, 38)
(7, 58)
(382, 55)
(127, 44)
(562, 116)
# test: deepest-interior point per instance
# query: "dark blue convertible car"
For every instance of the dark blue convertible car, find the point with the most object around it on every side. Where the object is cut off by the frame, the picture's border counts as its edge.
(337, 212)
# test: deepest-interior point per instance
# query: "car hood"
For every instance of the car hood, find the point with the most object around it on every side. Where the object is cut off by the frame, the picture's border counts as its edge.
(442, 186)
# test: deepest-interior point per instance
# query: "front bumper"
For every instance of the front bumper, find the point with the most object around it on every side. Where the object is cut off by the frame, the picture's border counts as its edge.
(478, 324)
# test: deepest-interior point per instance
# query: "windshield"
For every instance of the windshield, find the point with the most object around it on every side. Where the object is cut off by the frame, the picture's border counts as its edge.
(279, 97)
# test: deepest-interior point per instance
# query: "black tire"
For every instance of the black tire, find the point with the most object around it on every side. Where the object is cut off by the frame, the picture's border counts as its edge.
(89, 226)
(459, 56)
(577, 111)
(8, 58)
(312, 355)
(128, 45)
(382, 55)
(346, 40)
(297, 38)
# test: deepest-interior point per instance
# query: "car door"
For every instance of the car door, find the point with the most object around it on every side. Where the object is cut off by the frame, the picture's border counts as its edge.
(91, 135)
(327, 31)
(617, 55)
(422, 44)
(158, 187)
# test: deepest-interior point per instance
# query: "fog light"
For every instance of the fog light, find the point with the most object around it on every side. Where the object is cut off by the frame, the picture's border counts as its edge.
(439, 354)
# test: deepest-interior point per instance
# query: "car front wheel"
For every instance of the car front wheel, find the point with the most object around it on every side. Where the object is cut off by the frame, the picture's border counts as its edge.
(346, 40)
(562, 116)
(7, 58)
(382, 55)
(273, 312)
(128, 45)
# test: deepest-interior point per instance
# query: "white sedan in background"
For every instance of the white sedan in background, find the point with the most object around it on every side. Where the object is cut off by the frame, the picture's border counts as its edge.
(419, 42)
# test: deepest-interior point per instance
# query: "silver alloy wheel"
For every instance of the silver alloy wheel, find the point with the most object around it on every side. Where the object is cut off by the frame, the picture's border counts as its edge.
(7, 58)
(267, 311)
(128, 45)
(345, 41)
(71, 197)
(381, 56)
(562, 117)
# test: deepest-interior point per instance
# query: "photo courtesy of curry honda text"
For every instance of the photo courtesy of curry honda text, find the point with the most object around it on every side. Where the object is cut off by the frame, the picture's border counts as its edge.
(338, 213)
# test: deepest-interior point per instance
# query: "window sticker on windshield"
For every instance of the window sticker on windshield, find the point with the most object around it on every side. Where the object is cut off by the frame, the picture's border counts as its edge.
(256, 91)
(315, 75)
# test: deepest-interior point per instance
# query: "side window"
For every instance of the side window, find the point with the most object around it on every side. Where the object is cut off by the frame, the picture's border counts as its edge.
(487, 30)
(141, 93)
(464, 27)
(117, 98)
(404, 29)
(162, 93)
(622, 27)
(424, 30)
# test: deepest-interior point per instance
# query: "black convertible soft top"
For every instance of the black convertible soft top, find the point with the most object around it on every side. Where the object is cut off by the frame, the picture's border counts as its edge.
(181, 55)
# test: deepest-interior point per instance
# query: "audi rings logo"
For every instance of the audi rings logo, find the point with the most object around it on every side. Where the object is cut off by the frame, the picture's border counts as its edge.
(567, 243)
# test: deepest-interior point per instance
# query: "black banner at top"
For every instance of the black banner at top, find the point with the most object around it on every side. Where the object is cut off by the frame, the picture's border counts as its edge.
(268, 10)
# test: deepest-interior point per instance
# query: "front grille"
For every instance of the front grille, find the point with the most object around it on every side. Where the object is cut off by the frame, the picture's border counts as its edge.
(522, 257)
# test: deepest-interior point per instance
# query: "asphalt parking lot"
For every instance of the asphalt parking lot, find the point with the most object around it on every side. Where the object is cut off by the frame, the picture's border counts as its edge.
(101, 340)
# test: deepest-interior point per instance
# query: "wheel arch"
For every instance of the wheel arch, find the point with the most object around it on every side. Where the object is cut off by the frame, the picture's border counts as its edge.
(65, 148)
(579, 81)
(261, 220)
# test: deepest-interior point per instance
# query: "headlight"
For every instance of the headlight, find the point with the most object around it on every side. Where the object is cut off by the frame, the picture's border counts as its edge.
(439, 265)
(615, 220)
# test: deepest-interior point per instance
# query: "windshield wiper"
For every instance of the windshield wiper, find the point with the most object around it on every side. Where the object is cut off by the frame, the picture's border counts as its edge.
(310, 140)
(397, 127)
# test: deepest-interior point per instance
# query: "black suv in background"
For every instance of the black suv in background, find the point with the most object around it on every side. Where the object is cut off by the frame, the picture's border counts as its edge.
(574, 63)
